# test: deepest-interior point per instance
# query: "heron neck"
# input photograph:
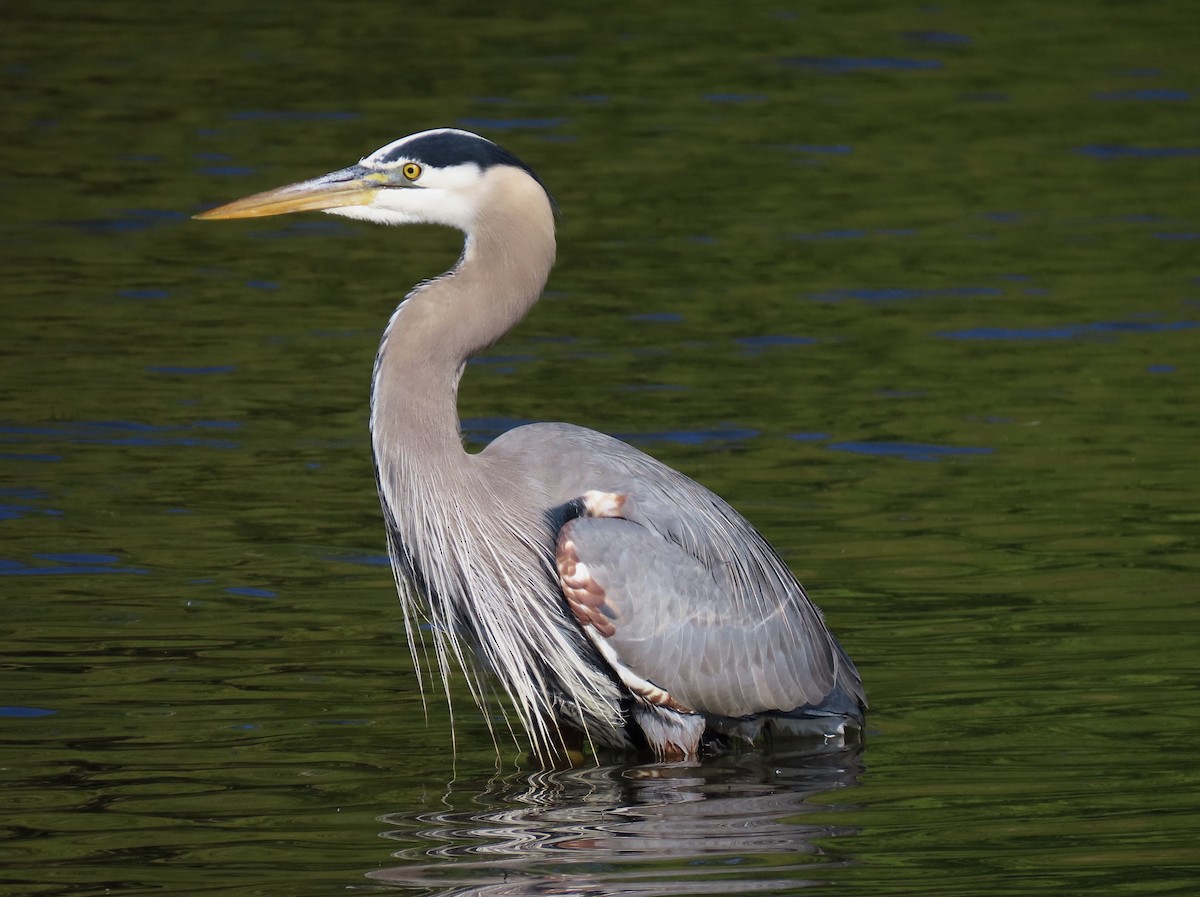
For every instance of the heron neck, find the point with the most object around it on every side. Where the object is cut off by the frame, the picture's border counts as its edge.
(442, 324)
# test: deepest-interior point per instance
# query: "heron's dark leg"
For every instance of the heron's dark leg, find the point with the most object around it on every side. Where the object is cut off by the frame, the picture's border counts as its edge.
(567, 752)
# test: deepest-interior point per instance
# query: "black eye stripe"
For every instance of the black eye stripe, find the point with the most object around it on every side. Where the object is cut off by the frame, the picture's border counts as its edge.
(447, 148)
(442, 149)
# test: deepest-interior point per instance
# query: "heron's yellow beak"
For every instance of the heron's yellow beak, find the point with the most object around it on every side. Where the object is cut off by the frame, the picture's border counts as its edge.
(353, 186)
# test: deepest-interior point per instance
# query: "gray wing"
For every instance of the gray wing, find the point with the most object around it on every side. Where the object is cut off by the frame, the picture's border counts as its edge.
(666, 619)
(695, 601)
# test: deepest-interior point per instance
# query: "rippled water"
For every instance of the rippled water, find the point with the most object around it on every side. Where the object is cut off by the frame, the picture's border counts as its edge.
(916, 288)
(657, 829)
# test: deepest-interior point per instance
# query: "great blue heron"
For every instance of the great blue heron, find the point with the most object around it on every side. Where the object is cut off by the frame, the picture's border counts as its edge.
(612, 597)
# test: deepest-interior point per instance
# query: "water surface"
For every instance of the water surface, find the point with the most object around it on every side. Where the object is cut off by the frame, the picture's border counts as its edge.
(914, 287)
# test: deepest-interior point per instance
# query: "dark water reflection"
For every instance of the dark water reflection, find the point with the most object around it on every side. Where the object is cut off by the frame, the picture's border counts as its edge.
(745, 824)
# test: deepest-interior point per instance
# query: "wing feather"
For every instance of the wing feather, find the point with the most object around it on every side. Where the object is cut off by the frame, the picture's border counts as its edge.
(702, 605)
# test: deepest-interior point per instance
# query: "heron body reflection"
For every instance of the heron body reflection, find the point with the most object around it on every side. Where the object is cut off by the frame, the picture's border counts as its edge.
(614, 599)
(751, 822)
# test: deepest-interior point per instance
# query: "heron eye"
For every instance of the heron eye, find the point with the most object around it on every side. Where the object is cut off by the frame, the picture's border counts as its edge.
(411, 170)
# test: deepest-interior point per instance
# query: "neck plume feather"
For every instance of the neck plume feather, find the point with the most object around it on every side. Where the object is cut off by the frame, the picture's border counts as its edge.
(468, 537)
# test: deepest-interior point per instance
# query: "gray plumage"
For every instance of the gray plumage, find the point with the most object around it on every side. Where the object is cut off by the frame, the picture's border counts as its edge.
(610, 595)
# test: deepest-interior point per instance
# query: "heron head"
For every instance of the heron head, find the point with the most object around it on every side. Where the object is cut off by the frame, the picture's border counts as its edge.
(443, 176)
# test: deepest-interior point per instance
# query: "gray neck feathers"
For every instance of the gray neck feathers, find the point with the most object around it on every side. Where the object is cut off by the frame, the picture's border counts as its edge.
(443, 322)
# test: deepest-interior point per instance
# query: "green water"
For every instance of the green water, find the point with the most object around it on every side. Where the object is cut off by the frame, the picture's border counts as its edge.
(916, 287)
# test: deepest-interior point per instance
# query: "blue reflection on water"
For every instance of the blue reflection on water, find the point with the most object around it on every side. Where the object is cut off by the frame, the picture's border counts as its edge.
(250, 592)
(16, 512)
(898, 294)
(24, 493)
(910, 451)
(26, 712)
(940, 38)
(831, 149)
(227, 171)
(118, 432)
(67, 564)
(754, 345)
(1067, 331)
(485, 429)
(369, 560)
(144, 294)
(501, 364)
(125, 221)
(655, 387)
(723, 433)
(1149, 95)
(841, 64)
(1108, 152)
